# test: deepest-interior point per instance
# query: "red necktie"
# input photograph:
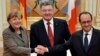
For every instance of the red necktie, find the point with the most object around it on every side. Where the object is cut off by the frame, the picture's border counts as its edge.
(50, 34)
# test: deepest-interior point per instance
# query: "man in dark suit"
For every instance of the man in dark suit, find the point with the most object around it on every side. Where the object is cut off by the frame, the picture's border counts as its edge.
(85, 42)
(49, 34)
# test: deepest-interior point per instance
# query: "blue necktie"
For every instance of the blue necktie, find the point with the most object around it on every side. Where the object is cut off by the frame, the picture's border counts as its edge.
(86, 42)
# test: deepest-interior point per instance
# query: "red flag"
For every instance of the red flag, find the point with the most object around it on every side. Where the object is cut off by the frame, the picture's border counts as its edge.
(23, 11)
(72, 18)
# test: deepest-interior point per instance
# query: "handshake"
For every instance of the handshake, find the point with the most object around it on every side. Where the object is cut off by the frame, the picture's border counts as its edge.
(40, 49)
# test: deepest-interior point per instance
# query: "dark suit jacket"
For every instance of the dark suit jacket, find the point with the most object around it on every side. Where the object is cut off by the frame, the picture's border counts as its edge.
(38, 36)
(76, 44)
(14, 45)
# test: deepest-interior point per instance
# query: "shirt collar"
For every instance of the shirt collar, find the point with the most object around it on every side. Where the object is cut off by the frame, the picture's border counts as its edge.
(51, 21)
(12, 29)
(89, 33)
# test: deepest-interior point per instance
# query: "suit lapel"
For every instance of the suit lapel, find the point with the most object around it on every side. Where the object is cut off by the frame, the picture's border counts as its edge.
(44, 33)
(56, 28)
(92, 39)
(81, 40)
(17, 36)
(24, 36)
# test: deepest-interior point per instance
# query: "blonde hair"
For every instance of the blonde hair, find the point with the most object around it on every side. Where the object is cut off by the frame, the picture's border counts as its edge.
(14, 13)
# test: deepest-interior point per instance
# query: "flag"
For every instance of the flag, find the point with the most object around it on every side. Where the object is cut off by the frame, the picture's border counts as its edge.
(23, 11)
(72, 18)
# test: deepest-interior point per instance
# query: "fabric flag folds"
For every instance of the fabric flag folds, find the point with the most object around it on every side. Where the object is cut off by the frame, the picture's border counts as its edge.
(72, 18)
(23, 11)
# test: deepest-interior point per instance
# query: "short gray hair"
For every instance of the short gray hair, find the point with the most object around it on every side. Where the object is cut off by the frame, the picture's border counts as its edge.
(45, 3)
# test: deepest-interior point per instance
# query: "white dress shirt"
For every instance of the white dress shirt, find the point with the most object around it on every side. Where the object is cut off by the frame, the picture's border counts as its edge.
(89, 36)
(51, 25)
(46, 27)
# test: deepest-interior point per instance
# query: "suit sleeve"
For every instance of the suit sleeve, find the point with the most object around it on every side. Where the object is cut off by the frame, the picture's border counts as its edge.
(66, 31)
(33, 42)
(12, 46)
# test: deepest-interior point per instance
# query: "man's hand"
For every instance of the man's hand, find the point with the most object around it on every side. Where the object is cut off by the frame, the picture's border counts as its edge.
(41, 49)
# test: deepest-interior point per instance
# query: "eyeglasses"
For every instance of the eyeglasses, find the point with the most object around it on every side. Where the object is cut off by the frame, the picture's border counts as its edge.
(84, 22)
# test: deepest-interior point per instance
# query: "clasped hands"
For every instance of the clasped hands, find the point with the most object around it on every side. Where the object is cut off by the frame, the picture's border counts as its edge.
(41, 49)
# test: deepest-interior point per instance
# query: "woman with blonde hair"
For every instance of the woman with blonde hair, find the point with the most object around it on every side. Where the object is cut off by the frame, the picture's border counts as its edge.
(15, 38)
